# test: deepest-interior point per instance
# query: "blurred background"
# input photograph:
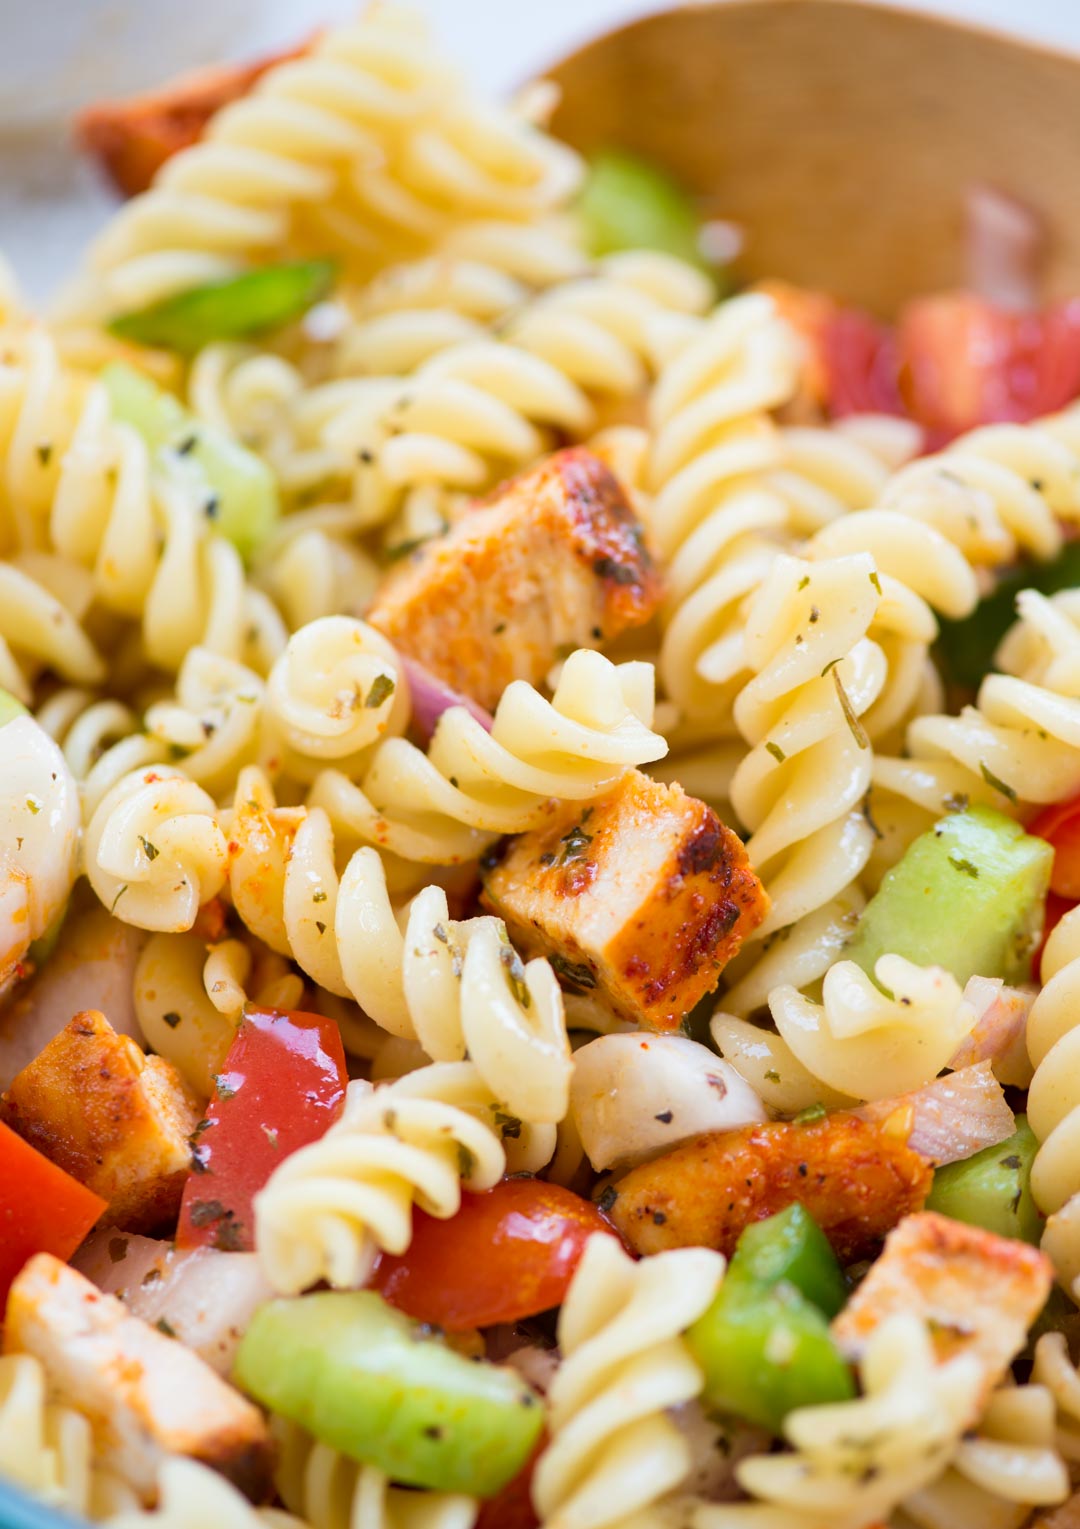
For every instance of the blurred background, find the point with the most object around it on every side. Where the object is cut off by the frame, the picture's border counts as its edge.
(60, 54)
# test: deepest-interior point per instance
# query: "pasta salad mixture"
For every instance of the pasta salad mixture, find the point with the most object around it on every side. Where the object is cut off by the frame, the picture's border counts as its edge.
(539, 849)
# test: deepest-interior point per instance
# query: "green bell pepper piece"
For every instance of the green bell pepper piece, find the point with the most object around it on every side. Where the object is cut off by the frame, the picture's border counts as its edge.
(236, 487)
(790, 1246)
(993, 1188)
(235, 309)
(628, 203)
(362, 1378)
(766, 1350)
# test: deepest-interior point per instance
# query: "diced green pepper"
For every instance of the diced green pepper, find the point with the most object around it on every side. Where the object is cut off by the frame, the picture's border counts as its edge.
(790, 1246)
(362, 1378)
(764, 1343)
(252, 304)
(765, 1351)
(628, 203)
(993, 1188)
(10, 708)
(969, 895)
(237, 489)
(966, 648)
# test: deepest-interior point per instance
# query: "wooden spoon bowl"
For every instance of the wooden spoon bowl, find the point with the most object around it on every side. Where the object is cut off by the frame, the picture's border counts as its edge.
(842, 137)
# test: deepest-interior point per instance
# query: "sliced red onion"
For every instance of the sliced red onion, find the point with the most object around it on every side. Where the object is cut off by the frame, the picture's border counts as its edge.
(431, 697)
(952, 1117)
(1006, 244)
(998, 1035)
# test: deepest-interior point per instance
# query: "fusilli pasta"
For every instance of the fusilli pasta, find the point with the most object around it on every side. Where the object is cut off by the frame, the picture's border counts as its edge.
(48, 1449)
(330, 1208)
(331, 1492)
(613, 1452)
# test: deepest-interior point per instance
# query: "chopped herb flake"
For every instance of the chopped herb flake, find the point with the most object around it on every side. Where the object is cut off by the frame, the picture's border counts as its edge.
(382, 687)
(992, 780)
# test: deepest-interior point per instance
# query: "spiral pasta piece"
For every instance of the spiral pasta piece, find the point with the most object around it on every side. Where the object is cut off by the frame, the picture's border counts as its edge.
(47, 1449)
(189, 998)
(331, 1492)
(716, 520)
(465, 406)
(451, 988)
(192, 1496)
(872, 1042)
(81, 485)
(1021, 738)
(613, 1453)
(853, 1463)
(38, 630)
(39, 839)
(365, 145)
(1053, 1041)
(998, 491)
(815, 673)
(1010, 1465)
(330, 1208)
(154, 851)
(335, 691)
(448, 804)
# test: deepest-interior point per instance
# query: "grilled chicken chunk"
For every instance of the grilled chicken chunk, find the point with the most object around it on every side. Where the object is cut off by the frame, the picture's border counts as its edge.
(556, 560)
(640, 899)
(855, 1178)
(146, 1396)
(979, 1293)
(115, 1119)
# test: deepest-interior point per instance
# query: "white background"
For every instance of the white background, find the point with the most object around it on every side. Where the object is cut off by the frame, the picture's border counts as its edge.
(58, 54)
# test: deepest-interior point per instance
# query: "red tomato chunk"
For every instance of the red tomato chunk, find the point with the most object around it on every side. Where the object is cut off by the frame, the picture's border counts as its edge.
(506, 1255)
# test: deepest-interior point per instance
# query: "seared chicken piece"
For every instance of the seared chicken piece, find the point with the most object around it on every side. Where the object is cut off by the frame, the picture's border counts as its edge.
(640, 899)
(146, 1395)
(115, 1119)
(556, 560)
(979, 1293)
(855, 1178)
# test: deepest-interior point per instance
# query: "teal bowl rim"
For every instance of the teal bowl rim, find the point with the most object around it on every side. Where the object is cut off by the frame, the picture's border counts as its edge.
(18, 1511)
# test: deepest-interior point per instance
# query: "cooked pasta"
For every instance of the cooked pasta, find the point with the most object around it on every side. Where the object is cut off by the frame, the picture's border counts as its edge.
(82, 485)
(815, 673)
(872, 1041)
(48, 1449)
(998, 491)
(713, 515)
(1010, 1464)
(154, 851)
(348, 1183)
(189, 997)
(331, 1207)
(331, 1492)
(448, 804)
(455, 987)
(192, 1496)
(613, 1452)
(39, 828)
(854, 1462)
(455, 407)
(1053, 1036)
(364, 146)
